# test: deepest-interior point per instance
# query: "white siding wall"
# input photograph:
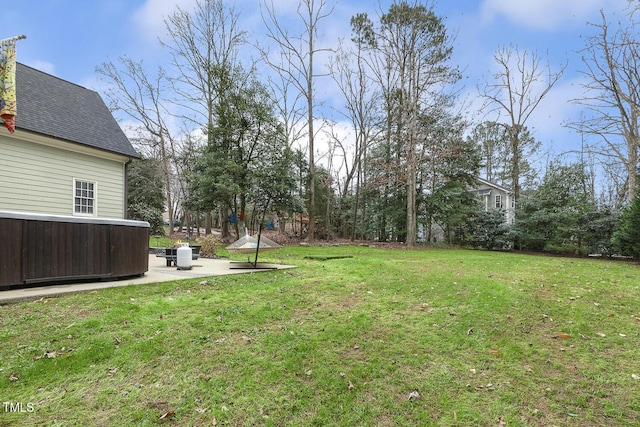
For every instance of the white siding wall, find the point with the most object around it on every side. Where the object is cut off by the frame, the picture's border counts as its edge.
(490, 201)
(39, 178)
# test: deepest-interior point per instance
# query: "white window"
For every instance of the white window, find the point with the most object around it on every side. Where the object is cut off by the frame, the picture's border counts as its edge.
(498, 201)
(84, 197)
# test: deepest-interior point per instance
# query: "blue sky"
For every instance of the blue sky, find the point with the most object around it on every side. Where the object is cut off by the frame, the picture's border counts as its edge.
(70, 38)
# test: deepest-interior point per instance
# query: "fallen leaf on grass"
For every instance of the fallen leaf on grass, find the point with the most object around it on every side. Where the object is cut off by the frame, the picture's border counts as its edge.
(14, 377)
(495, 351)
(112, 372)
(488, 387)
(501, 422)
(563, 336)
(635, 377)
(50, 355)
(167, 414)
(600, 334)
(351, 386)
(414, 395)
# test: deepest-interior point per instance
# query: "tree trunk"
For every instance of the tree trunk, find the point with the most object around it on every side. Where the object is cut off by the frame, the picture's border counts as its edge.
(224, 225)
(208, 223)
(312, 167)
(515, 164)
(411, 205)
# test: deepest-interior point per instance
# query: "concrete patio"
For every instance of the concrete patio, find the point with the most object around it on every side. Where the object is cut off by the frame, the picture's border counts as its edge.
(158, 272)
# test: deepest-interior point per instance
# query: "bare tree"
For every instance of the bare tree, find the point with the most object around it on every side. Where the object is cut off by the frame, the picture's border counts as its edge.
(299, 68)
(350, 70)
(204, 44)
(414, 43)
(520, 85)
(138, 96)
(612, 97)
(491, 138)
(382, 168)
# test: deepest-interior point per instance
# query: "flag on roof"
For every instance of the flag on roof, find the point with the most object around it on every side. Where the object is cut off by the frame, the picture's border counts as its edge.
(8, 83)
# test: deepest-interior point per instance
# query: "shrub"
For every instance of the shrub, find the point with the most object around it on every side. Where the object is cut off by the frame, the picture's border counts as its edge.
(488, 230)
(627, 236)
(209, 245)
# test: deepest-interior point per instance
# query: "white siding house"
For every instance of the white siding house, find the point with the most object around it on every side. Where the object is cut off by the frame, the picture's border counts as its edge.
(63, 189)
(68, 155)
(43, 180)
(497, 197)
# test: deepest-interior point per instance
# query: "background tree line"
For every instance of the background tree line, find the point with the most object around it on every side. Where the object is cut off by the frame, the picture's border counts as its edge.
(232, 130)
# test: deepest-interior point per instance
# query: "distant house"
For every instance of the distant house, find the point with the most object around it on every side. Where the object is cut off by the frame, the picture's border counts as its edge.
(497, 197)
(63, 187)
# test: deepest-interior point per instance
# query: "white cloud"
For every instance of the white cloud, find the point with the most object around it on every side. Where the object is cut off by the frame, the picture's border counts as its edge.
(543, 14)
(150, 17)
(555, 110)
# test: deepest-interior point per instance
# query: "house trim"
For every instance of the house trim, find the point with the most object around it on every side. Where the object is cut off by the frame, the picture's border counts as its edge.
(61, 144)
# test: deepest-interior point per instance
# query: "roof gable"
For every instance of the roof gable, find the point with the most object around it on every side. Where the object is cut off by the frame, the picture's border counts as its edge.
(54, 107)
(493, 185)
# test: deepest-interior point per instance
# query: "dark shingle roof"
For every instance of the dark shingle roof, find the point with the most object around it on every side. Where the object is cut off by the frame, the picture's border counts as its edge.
(54, 107)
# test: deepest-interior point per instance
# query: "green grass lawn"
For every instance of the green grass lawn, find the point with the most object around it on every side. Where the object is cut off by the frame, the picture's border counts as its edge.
(385, 338)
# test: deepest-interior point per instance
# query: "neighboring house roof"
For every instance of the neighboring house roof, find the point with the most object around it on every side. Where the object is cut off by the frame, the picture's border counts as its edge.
(54, 107)
(493, 184)
(482, 192)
